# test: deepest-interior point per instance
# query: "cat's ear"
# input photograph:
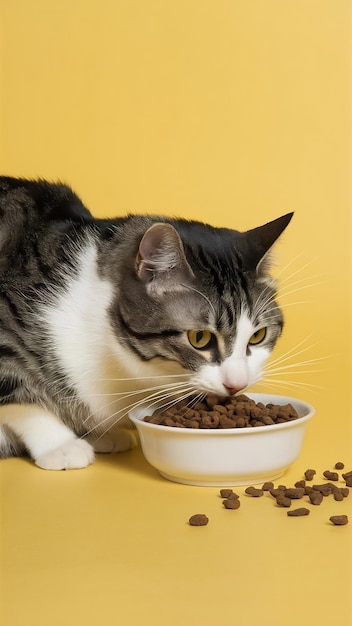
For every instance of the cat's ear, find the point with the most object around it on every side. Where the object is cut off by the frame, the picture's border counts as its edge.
(161, 262)
(260, 241)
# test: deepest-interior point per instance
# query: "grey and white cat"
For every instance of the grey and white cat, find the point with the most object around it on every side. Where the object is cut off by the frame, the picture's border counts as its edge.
(97, 315)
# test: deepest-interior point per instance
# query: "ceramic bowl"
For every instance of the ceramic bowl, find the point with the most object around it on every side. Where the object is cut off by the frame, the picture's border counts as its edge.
(228, 457)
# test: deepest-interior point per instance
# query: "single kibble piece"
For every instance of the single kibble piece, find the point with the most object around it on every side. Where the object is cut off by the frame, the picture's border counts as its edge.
(267, 486)
(277, 492)
(339, 520)
(231, 503)
(281, 500)
(339, 465)
(233, 496)
(298, 512)
(316, 497)
(300, 483)
(348, 481)
(225, 493)
(199, 519)
(295, 493)
(309, 474)
(252, 491)
(331, 475)
(338, 495)
(325, 489)
(346, 475)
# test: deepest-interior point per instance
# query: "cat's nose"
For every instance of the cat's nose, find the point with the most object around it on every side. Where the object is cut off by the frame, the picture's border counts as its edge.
(233, 390)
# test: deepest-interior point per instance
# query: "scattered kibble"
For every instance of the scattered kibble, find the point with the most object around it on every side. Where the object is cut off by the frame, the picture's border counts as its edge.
(199, 519)
(285, 495)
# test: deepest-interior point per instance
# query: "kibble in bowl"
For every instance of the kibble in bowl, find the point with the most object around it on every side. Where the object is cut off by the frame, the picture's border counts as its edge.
(225, 456)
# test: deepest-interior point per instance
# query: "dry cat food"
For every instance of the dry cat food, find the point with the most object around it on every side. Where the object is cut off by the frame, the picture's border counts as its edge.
(331, 475)
(339, 520)
(228, 493)
(199, 519)
(256, 493)
(231, 503)
(309, 474)
(315, 497)
(234, 412)
(284, 496)
(281, 500)
(267, 486)
(298, 512)
(348, 478)
(231, 499)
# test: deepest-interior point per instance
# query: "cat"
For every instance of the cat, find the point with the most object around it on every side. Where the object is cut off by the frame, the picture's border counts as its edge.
(97, 315)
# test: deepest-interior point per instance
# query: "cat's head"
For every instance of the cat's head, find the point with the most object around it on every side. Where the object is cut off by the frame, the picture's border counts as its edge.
(202, 298)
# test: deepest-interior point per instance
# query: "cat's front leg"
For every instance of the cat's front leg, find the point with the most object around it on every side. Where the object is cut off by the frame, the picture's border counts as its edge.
(50, 443)
(120, 440)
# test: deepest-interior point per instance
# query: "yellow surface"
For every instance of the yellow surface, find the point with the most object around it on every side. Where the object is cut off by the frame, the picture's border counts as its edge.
(233, 112)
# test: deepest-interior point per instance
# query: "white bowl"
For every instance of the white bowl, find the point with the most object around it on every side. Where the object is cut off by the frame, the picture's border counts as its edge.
(228, 457)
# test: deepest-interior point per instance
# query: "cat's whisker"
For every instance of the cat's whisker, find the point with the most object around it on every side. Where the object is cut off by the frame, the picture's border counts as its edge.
(280, 368)
(289, 292)
(126, 394)
(143, 377)
(289, 383)
(158, 394)
(284, 268)
(122, 413)
(301, 269)
(195, 399)
(289, 304)
(279, 372)
(263, 302)
(276, 299)
(288, 354)
(157, 390)
(303, 281)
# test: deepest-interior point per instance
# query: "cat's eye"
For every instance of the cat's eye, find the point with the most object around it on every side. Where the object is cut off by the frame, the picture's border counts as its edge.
(258, 337)
(200, 339)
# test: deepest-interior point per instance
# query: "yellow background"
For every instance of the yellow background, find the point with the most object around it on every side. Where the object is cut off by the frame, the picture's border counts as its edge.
(233, 112)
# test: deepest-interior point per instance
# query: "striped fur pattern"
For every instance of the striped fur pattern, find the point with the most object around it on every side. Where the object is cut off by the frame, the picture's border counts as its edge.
(96, 315)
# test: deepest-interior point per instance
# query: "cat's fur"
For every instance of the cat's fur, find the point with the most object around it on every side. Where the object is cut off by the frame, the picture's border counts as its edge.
(94, 316)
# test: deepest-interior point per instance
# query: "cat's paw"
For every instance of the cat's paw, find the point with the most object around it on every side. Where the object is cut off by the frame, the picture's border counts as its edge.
(120, 441)
(72, 455)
